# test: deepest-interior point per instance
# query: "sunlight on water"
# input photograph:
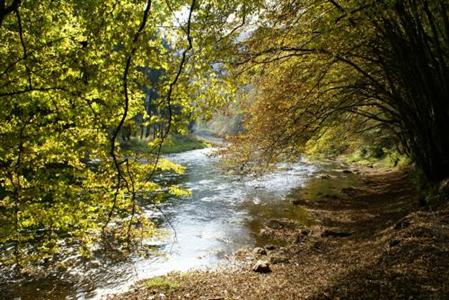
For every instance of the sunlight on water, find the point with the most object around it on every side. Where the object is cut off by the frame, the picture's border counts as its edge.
(223, 214)
(219, 217)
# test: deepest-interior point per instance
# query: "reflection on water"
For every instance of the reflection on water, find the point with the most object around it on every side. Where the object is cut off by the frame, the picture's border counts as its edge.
(223, 214)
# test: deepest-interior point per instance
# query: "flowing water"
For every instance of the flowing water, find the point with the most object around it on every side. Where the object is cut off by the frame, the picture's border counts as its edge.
(223, 214)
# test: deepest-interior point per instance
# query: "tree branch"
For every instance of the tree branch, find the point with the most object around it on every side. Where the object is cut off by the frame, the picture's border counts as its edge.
(120, 175)
(24, 48)
(178, 74)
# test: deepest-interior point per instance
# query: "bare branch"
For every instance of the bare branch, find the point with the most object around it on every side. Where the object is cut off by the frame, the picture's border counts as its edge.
(180, 69)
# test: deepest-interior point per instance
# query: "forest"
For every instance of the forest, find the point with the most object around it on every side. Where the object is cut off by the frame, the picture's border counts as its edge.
(294, 148)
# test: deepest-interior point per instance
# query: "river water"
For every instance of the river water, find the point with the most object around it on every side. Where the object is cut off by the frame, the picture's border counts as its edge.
(223, 214)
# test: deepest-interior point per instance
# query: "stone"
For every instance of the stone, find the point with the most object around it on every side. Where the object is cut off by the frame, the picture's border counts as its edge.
(270, 247)
(347, 172)
(403, 223)
(259, 251)
(262, 266)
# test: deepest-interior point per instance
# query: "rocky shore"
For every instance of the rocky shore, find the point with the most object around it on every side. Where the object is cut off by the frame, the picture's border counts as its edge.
(370, 242)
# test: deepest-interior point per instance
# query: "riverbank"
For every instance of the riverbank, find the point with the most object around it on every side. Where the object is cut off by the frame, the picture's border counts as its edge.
(173, 144)
(370, 241)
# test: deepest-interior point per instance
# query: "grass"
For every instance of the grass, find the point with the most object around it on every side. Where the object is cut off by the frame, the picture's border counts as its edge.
(173, 144)
(387, 158)
(160, 283)
(181, 143)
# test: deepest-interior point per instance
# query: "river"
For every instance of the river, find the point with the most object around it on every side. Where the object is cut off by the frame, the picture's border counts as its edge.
(224, 213)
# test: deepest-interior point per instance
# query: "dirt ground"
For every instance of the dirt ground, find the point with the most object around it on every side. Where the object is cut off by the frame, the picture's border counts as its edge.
(374, 242)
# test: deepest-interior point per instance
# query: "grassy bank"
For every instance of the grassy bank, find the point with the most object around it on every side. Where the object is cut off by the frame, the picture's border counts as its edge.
(173, 144)
(385, 158)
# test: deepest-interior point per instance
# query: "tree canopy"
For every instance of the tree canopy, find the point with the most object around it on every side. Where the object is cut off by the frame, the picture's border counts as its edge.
(74, 78)
(380, 65)
(77, 77)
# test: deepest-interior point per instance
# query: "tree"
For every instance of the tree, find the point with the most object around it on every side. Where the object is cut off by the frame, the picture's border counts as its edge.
(314, 64)
(71, 81)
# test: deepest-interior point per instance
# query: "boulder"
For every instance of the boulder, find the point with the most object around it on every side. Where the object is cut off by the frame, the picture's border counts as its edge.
(262, 266)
